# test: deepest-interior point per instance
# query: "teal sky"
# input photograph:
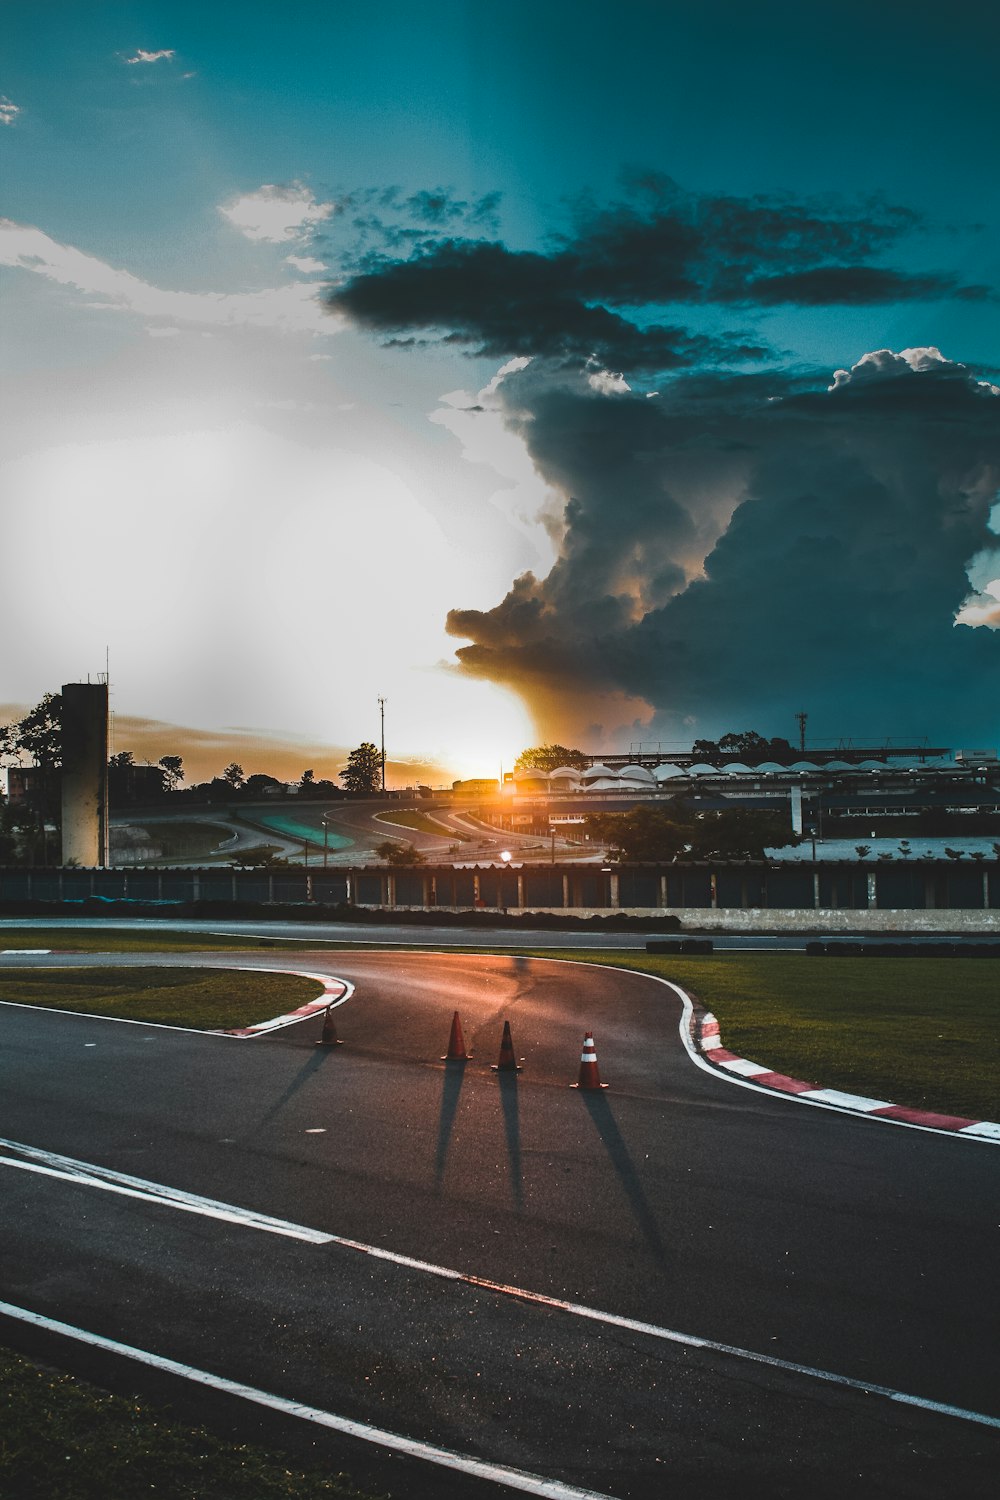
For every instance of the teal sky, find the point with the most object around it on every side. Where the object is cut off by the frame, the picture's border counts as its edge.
(265, 509)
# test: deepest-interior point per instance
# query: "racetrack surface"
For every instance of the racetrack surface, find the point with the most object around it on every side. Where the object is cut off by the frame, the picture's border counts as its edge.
(674, 1199)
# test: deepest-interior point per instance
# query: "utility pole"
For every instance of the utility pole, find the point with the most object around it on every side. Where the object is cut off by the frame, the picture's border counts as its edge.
(802, 716)
(381, 709)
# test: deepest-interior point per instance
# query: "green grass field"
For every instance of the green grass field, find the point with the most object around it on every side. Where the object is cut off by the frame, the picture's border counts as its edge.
(63, 1439)
(205, 999)
(422, 823)
(918, 1031)
(124, 940)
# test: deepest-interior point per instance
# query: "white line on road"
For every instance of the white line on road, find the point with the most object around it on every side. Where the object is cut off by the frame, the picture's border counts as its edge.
(516, 1479)
(84, 1175)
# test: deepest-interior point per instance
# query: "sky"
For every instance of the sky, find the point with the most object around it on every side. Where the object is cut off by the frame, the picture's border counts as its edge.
(613, 375)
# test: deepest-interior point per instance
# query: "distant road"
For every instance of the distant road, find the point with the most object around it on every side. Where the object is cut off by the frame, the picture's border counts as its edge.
(723, 1252)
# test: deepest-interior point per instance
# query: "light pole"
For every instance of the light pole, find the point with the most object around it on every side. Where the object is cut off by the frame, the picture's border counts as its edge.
(381, 709)
(326, 839)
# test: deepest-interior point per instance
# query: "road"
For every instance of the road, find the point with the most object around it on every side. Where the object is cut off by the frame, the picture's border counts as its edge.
(674, 1199)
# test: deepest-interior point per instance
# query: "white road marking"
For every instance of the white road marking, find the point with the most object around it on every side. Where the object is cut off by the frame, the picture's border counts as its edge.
(305, 1013)
(84, 1174)
(49, 1164)
(516, 1479)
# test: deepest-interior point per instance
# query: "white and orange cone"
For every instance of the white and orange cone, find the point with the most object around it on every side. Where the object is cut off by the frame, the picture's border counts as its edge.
(589, 1078)
(329, 1037)
(456, 1043)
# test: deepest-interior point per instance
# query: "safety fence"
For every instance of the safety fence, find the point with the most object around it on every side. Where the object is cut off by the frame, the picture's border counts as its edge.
(900, 886)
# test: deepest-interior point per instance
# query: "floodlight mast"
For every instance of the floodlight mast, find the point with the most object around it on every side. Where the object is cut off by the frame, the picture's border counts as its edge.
(381, 709)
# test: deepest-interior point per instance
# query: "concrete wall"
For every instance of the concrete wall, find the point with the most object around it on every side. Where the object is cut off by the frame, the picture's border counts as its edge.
(85, 773)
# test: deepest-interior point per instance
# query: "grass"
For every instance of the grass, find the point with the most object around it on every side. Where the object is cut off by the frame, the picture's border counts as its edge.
(125, 940)
(422, 823)
(923, 1032)
(201, 998)
(63, 1439)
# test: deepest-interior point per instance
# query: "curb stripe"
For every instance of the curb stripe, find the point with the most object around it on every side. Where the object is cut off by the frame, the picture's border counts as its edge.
(701, 1035)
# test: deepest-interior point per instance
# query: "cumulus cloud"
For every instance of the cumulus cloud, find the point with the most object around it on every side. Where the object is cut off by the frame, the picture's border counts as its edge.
(9, 111)
(277, 213)
(293, 308)
(746, 546)
(165, 54)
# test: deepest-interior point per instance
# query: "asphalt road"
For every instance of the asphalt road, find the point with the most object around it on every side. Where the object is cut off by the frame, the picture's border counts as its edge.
(674, 1199)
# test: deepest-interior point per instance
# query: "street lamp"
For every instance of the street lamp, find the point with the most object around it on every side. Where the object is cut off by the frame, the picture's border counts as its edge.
(506, 856)
(326, 839)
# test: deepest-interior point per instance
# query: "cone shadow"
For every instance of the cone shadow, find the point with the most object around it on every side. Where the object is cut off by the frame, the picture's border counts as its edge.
(512, 1132)
(454, 1076)
(607, 1128)
(302, 1076)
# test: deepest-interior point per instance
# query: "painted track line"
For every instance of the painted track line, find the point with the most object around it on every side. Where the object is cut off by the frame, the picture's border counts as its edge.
(477, 1468)
(327, 1001)
(80, 1173)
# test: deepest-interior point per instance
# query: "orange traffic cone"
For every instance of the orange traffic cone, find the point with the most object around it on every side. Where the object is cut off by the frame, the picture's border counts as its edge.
(329, 1037)
(508, 1062)
(456, 1043)
(589, 1078)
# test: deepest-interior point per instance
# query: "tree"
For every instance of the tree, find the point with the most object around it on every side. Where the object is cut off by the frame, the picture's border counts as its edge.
(363, 772)
(643, 834)
(257, 785)
(173, 771)
(550, 758)
(862, 850)
(392, 853)
(234, 775)
(740, 834)
(38, 734)
(747, 744)
(652, 834)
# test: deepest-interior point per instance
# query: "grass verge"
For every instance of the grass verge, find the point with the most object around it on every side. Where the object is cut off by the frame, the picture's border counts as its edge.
(923, 1032)
(422, 823)
(130, 940)
(64, 1439)
(205, 999)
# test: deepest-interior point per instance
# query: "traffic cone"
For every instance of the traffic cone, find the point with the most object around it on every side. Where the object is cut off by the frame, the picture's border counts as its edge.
(508, 1062)
(589, 1078)
(456, 1043)
(329, 1037)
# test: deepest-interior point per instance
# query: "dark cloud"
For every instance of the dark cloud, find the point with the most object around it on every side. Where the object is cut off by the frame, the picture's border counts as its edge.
(731, 554)
(602, 288)
(501, 303)
(859, 286)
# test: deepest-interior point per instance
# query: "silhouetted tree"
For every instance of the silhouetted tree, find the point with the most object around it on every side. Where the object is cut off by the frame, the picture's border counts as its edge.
(392, 853)
(550, 758)
(363, 772)
(173, 771)
(234, 775)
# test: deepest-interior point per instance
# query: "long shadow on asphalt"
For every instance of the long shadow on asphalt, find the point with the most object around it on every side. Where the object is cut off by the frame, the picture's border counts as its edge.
(302, 1076)
(454, 1077)
(600, 1112)
(512, 1130)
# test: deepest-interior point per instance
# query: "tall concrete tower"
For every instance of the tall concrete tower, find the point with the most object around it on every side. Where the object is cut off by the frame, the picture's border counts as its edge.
(85, 773)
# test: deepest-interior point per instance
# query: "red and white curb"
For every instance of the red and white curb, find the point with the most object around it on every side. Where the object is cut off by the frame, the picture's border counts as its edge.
(335, 992)
(706, 1037)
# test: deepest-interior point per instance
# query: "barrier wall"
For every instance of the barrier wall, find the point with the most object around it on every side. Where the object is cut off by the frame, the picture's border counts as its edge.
(916, 885)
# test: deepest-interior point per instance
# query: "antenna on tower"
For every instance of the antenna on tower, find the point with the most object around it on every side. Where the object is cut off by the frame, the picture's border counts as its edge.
(381, 709)
(802, 716)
